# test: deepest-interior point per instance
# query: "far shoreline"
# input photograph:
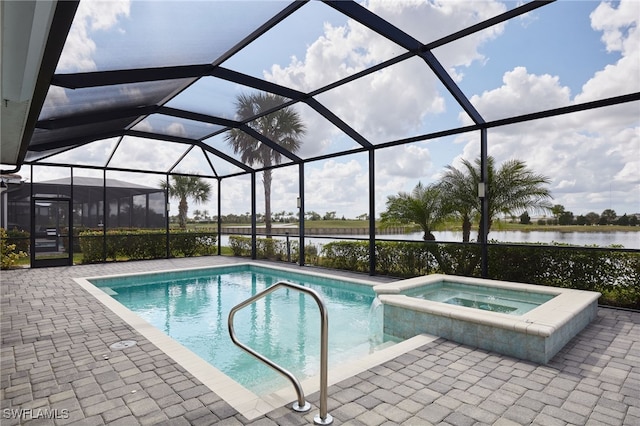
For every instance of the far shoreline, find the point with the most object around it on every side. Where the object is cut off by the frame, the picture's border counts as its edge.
(359, 225)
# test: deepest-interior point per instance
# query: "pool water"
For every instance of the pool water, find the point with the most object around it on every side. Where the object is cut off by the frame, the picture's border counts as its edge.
(504, 301)
(192, 307)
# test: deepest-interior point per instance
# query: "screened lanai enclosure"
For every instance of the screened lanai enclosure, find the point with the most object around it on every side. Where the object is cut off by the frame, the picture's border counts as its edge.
(307, 106)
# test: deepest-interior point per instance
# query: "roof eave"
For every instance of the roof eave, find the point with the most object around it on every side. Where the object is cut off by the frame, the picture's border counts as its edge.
(33, 35)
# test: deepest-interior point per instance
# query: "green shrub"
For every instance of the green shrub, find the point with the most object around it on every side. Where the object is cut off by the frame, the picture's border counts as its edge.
(458, 259)
(9, 254)
(137, 244)
(310, 253)
(349, 255)
(403, 259)
(615, 274)
(77, 230)
(91, 246)
(240, 246)
(190, 244)
(269, 248)
(19, 238)
(266, 248)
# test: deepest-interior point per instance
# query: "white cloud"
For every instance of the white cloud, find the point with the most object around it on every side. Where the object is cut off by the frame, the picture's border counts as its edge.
(627, 151)
(398, 169)
(388, 104)
(342, 184)
(581, 164)
(613, 21)
(337, 186)
(236, 195)
(629, 173)
(56, 97)
(176, 129)
(592, 157)
(573, 151)
(566, 184)
(91, 16)
(341, 51)
(392, 103)
(443, 17)
(579, 155)
(95, 153)
(408, 161)
(521, 93)
(146, 154)
(619, 28)
(285, 183)
(321, 136)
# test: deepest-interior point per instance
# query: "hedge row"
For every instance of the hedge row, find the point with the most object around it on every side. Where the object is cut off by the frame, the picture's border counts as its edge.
(615, 274)
(271, 248)
(403, 259)
(144, 244)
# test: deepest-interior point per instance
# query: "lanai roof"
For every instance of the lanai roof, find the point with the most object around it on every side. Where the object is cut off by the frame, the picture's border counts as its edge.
(173, 89)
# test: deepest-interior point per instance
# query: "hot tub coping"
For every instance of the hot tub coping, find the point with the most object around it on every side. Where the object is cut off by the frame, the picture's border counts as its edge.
(410, 283)
(541, 321)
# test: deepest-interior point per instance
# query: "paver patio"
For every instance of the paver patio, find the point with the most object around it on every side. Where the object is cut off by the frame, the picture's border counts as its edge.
(56, 362)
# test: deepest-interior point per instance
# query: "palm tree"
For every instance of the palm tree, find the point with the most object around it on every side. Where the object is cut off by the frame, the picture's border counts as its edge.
(512, 189)
(184, 187)
(283, 127)
(460, 196)
(422, 207)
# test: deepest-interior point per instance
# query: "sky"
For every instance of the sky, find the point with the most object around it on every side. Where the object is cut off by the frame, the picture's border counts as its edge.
(561, 54)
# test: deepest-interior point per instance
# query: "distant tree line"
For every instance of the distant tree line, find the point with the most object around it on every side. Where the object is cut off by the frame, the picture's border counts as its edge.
(564, 217)
(279, 217)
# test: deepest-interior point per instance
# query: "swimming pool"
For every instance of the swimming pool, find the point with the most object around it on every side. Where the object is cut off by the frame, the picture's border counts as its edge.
(192, 307)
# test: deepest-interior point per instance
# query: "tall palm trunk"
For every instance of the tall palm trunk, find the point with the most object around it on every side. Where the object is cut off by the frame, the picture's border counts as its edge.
(466, 228)
(266, 180)
(183, 208)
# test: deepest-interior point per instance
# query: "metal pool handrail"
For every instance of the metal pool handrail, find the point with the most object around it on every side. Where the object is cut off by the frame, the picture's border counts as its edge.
(301, 405)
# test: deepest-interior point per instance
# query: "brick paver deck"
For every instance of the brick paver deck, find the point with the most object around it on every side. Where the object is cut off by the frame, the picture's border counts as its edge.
(56, 362)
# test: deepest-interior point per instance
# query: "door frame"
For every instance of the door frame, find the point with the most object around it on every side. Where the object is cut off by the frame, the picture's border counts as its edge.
(56, 261)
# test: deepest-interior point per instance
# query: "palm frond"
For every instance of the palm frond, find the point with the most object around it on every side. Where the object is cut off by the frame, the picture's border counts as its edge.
(283, 126)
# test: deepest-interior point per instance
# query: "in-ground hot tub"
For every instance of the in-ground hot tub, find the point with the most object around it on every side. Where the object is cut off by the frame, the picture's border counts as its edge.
(526, 321)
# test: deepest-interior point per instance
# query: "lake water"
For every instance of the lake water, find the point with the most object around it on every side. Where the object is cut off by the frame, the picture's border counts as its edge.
(602, 239)
(629, 239)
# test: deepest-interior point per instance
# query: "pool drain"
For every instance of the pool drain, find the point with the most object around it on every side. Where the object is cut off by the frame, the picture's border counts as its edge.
(123, 344)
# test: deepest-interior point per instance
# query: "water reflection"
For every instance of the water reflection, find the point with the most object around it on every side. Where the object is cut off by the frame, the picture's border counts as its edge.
(628, 239)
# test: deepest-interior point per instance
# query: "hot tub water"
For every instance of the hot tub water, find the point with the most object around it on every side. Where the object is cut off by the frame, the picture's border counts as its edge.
(481, 297)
